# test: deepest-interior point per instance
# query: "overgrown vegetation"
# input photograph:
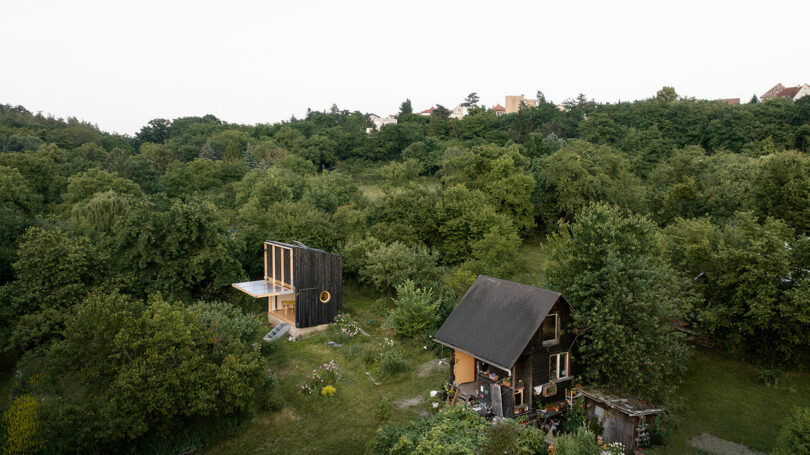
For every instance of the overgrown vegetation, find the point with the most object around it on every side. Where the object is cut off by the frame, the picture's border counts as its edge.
(656, 210)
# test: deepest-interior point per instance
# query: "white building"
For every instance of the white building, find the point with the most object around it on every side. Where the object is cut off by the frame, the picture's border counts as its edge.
(459, 112)
(380, 121)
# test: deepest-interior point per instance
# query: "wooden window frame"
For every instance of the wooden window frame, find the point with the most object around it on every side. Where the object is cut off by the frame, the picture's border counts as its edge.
(556, 363)
(556, 339)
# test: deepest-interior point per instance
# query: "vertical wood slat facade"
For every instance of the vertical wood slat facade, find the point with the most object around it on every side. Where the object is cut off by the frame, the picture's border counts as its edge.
(315, 272)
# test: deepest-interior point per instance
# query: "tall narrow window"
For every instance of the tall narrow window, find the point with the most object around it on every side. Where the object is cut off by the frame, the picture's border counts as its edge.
(550, 330)
(558, 366)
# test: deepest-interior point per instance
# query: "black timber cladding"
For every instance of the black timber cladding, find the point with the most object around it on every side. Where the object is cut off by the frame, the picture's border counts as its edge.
(315, 271)
(496, 319)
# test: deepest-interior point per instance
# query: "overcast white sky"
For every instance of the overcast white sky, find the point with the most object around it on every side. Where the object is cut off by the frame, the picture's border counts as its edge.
(119, 64)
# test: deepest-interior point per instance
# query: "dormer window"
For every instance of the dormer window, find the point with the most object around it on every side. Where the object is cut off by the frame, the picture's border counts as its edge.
(550, 330)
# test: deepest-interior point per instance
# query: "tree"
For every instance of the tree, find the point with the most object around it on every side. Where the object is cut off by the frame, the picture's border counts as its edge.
(388, 266)
(541, 98)
(782, 188)
(441, 112)
(146, 367)
(471, 100)
(156, 131)
(753, 279)
(405, 108)
(179, 249)
(666, 95)
(754, 99)
(53, 271)
(464, 217)
(414, 314)
(608, 264)
(84, 185)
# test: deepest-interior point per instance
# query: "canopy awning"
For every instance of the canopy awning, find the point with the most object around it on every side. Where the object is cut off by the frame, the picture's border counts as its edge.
(262, 288)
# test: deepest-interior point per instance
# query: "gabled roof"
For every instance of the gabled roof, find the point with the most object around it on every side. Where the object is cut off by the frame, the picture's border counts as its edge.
(788, 92)
(428, 111)
(496, 319)
(498, 107)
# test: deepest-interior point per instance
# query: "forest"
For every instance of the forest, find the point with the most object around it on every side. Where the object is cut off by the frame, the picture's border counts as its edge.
(121, 333)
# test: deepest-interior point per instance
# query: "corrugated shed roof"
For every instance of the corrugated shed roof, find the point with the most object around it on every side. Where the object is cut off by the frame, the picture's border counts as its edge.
(496, 319)
(629, 405)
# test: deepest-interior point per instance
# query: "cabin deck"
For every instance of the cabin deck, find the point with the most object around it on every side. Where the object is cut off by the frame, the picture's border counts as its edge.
(287, 315)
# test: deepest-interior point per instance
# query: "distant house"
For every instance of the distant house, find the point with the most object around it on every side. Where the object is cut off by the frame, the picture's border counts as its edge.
(380, 121)
(731, 101)
(427, 112)
(511, 346)
(513, 103)
(780, 91)
(303, 285)
(459, 112)
(499, 110)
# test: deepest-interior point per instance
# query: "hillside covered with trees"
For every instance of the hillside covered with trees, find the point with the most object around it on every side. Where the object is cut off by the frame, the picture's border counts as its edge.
(118, 252)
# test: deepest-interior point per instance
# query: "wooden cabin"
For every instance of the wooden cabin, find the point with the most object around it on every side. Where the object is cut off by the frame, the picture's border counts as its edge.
(303, 285)
(511, 345)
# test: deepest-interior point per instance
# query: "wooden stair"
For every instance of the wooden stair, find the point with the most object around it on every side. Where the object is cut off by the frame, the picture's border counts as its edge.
(277, 332)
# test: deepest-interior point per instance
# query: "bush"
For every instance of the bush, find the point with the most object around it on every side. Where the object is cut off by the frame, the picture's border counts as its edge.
(272, 399)
(580, 442)
(326, 374)
(382, 412)
(415, 312)
(328, 391)
(21, 426)
(794, 437)
(392, 362)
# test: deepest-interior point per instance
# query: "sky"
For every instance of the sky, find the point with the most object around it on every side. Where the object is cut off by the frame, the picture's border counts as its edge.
(120, 64)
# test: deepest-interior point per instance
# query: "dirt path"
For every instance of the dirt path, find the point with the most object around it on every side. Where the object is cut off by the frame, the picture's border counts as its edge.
(409, 402)
(715, 445)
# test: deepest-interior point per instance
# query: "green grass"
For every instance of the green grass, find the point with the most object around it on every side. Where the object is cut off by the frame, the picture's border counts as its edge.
(345, 422)
(724, 397)
(534, 259)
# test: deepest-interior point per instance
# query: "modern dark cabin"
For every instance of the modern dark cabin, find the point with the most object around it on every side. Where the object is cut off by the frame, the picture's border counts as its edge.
(303, 285)
(511, 345)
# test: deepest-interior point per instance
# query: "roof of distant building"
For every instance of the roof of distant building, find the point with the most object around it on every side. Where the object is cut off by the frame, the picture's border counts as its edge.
(788, 92)
(498, 107)
(429, 111)
(730, 100)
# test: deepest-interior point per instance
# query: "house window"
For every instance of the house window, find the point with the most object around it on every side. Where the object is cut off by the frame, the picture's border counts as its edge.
(325, 296)
(550, 331)
(558, 365)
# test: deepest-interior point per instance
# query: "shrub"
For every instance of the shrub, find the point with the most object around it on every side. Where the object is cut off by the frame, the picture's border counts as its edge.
(580, 442)
(328, 391)
(326, 374)
(794, 437)
(347, 325)
(272, 400)
(21, 426)
(415, 312)
(575, 415)
(383, 410)
(392, 362)
(501, 438)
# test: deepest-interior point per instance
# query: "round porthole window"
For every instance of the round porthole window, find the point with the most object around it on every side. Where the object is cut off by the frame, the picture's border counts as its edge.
(325, 296)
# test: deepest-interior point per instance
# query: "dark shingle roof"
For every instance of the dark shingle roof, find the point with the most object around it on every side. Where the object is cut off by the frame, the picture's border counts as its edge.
(496, 319)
